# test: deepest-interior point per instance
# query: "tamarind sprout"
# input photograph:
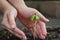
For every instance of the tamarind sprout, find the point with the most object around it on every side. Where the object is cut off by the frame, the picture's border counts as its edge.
(35, 17)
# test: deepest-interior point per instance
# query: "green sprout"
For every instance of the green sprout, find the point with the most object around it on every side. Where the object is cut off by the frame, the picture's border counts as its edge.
(35, 18)
(32, 17)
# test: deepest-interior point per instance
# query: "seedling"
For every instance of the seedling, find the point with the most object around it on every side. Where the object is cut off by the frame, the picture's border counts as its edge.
(36, 19)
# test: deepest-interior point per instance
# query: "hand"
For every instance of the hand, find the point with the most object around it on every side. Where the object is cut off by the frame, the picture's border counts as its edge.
(10, 14)
(24, 17)
(24, 14)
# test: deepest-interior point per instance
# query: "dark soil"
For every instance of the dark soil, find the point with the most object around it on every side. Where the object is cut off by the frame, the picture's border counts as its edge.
(52, 34)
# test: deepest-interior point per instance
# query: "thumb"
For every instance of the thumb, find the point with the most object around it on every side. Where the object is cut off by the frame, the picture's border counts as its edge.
(42, 17)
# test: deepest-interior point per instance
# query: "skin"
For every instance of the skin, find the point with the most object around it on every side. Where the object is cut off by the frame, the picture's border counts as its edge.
(10, 14)
(17, 8)
(24, 14)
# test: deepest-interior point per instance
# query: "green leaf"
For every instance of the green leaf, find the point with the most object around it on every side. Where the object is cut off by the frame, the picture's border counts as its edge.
(37, 18)
(32, 18)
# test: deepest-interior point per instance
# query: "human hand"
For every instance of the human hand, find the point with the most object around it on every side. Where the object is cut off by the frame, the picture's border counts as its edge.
(10, 25)
(24, 14)
(24, 17)
(8, 22)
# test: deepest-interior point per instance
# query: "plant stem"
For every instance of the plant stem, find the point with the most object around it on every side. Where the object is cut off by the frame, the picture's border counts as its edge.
(35, 29)
(36, 19)
(35, 24)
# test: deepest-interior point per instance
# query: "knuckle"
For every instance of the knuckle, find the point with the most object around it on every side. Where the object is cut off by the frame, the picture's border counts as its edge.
(14, 10)
(12, 28)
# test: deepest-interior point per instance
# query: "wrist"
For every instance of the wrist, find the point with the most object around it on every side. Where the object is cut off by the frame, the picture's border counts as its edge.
(18, 3)
(4, 5)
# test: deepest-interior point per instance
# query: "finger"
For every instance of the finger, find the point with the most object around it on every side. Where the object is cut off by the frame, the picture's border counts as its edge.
(42, 17)
(5, 21)
(11, 18)
(20, 34)
(39, 32)
(30, 27)
(43, 28)
(14, 31)
(33, 31)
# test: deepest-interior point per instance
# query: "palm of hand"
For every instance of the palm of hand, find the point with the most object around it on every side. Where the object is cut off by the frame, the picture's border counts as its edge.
(25, 19)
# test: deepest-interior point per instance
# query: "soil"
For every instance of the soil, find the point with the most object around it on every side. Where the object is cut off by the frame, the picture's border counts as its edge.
(52, 34)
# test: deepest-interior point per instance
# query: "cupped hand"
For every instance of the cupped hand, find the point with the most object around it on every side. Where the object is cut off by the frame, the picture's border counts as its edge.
(24, 16)
(9, 23)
